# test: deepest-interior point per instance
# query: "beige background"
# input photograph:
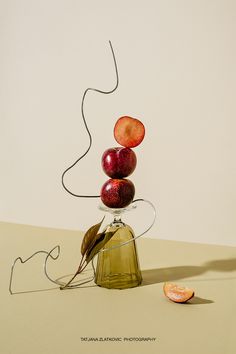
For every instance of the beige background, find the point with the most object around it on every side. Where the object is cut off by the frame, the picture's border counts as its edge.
(177, 74)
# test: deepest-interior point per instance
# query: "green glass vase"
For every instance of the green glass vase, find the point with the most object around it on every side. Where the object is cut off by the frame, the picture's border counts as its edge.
(117, 263)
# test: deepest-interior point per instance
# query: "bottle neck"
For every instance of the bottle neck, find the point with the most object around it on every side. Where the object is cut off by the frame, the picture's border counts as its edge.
(117, 222)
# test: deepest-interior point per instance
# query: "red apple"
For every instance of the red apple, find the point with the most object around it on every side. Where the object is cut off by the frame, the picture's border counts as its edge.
(129, 132)
(119, 162)
(117, 193)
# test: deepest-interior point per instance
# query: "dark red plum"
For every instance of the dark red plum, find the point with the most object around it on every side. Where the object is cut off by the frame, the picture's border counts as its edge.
(117, 193)
(119, 162)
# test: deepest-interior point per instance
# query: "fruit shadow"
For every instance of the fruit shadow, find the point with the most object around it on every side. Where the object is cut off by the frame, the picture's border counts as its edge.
(196, 300)
(159, 275)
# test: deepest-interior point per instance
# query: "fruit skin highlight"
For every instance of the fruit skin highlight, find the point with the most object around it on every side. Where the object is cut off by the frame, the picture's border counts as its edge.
(117, 193)
(177, 293)
(119, 162)
(129, 132)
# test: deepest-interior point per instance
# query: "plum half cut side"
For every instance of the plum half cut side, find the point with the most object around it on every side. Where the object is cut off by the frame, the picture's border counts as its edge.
(176, 293)
(129, 132)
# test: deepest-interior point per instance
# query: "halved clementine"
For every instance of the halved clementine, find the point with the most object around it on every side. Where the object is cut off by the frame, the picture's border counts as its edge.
(178, 293)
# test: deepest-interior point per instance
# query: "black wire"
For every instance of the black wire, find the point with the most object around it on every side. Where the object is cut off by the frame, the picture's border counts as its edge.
(87, 129)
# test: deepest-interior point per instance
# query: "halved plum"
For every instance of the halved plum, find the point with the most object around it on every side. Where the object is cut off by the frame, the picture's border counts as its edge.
(129, 132)
(177, 293)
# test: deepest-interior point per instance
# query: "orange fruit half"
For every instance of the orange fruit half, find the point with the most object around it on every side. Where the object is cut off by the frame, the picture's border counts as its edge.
(177, 293)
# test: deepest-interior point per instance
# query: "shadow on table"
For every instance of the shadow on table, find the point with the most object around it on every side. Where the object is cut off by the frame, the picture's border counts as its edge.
(154, 276)
(198, 301)
(159, 275)
(81, 284)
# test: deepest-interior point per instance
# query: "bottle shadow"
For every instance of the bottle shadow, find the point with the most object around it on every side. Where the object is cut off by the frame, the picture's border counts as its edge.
(160, 275)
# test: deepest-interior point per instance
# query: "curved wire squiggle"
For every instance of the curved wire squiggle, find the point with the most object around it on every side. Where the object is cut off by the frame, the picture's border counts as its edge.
(49, 254)
(56, 281)
(87, 129)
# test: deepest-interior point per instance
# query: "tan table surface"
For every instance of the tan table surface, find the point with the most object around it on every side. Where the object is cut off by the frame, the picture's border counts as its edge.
(53, 321)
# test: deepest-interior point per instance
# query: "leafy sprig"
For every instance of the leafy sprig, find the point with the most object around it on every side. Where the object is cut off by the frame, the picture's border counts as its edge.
(92, 243)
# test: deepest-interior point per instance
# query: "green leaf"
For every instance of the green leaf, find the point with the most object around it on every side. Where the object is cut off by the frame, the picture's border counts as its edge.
(99, 244)
(90, 238)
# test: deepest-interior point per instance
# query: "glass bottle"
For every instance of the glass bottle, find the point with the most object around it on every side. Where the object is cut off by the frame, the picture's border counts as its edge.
(117, 263)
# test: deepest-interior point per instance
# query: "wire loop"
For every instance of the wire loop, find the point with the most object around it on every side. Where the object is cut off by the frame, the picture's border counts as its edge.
(87, 129)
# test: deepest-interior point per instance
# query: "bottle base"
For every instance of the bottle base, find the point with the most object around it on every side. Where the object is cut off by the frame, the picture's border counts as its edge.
(120, 281)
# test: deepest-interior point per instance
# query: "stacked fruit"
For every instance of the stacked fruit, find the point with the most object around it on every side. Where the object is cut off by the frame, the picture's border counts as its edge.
(120, 162)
